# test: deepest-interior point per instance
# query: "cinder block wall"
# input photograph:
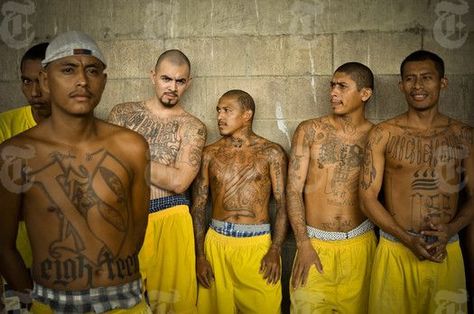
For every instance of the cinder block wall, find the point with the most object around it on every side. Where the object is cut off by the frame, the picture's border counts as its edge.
(283, 52)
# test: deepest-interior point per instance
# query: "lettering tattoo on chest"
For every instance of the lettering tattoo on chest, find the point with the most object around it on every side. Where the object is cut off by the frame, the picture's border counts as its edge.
(162, 137)
(90, 202)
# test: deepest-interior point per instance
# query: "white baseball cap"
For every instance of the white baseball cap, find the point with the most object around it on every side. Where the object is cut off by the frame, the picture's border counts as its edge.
(72, 43)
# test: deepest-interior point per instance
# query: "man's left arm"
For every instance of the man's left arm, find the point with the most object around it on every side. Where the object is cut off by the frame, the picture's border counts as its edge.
(465, 214)
(270, 265)
(178, 177)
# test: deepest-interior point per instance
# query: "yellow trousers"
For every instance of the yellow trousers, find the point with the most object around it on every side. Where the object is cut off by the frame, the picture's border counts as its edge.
(238, 287)
(401, 283)
(167, 261)
(344, 285)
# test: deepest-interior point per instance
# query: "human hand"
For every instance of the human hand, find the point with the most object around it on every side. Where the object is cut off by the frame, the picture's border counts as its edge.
(204, 272)
(270, 266)
(305, 258)
(419, 247)
(439, 233)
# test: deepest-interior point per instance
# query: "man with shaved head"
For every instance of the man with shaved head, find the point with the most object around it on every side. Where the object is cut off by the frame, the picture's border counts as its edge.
(176, 139)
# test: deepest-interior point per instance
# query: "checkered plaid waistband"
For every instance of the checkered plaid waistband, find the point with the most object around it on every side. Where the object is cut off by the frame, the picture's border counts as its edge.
(167, 202)
(95, 300)
(239, 230)
(428, 239)
(364, 227)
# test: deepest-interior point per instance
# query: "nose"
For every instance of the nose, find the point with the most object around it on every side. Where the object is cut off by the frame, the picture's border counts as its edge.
(81, 78)
(36, 90)
(418, 83)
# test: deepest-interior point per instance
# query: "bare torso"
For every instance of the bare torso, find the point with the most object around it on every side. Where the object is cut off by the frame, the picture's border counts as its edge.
(77, 204)
(330, 194)
(165, 136)
(240, 180)
(423, 172)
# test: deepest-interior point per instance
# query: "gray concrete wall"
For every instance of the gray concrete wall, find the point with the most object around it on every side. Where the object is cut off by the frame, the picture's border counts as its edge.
(283, 52)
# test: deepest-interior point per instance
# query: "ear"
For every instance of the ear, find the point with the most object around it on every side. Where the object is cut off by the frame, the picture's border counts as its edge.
(366, 93)
(43, 80)
(248, 115)
(152, 76)
(400, 86)
(444, 82)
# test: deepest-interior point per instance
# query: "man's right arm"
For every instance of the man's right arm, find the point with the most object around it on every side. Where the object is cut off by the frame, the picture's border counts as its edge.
(12, 266)
(370, 184)
(300, 156)
(198, 212)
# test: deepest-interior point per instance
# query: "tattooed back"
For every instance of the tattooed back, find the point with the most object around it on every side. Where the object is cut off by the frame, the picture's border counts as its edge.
(240, 178)
(84, 204)
(423, 170)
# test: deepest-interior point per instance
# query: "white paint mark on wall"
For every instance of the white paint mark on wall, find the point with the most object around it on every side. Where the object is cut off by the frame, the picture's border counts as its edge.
(256, 9)
(281, 122)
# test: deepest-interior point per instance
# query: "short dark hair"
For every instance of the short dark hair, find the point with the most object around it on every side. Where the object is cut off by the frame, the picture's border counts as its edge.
(37, 52)
(361, 74)
(175, 56)
(244, 99)
(423, 55)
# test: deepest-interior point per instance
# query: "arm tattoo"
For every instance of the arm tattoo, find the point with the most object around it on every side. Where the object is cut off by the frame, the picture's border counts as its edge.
(368, 171)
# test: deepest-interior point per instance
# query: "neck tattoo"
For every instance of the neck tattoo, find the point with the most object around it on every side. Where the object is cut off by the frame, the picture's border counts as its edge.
(237, 142)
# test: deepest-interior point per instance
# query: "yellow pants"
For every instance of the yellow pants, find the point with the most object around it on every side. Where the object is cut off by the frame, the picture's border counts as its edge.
(238, 285)
(167, 261)
(140, 308)
(344, 285)
(403, 284)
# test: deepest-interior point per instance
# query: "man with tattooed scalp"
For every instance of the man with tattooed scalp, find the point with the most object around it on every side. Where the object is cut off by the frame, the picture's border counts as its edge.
(423, 159)
(80, 184)
(237, 261)
(335, 241)
(176, 140)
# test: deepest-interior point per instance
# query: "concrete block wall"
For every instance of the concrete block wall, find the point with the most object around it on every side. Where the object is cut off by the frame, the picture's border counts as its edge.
(283, 52)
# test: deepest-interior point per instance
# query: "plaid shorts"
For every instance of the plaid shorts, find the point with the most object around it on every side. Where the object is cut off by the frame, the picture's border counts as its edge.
(167, 202)
(239, 230)
(95, 300)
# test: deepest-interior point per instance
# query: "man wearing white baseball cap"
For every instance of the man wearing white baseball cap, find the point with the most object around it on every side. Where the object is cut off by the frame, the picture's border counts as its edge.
(80, 185)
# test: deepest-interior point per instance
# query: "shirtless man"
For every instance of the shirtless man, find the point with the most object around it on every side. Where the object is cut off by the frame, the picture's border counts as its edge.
(15, 121)
(80, 185)
(335, 241)
(176, 140)
(238, 263)
(420, 157)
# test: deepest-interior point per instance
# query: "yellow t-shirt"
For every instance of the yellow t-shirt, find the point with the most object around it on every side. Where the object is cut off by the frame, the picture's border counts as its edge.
(15, 121)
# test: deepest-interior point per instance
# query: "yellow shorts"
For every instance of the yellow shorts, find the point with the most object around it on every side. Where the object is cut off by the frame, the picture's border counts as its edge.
(140, 308)
(23, 244)
(344, 285)
(238, 285)
(403, 284)
(167, 261)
